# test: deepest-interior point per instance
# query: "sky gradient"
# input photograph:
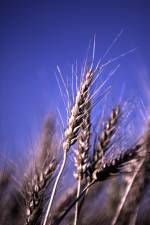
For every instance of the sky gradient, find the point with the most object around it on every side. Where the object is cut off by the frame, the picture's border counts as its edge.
(36, 36)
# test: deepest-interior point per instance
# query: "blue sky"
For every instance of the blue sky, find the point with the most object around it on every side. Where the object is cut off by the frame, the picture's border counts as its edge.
(36, 36)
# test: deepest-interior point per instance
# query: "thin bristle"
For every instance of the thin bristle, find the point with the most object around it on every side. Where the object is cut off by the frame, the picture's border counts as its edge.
(71, 132)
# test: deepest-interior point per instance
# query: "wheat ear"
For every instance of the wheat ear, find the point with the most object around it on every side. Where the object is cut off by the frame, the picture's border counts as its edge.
(82, 152)
(104, 140)
(35, 191)
(74, 123)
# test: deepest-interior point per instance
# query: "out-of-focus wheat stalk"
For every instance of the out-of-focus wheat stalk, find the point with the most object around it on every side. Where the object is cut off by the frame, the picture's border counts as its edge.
(38, 177)
(136, 183)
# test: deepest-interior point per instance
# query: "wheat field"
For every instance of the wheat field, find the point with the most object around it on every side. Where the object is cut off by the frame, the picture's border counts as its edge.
(110, 179)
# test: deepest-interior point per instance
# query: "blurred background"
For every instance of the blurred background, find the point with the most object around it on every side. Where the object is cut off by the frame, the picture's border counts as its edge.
(36, 36)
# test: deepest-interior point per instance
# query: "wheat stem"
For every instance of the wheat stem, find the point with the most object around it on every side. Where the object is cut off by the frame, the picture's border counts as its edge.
(77, 203)
(55, 187)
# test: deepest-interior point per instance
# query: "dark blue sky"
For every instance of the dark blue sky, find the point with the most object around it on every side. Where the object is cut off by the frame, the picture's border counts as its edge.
(36, 36)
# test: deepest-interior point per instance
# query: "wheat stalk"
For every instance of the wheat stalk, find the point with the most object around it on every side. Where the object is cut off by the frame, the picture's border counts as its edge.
(74, 123)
